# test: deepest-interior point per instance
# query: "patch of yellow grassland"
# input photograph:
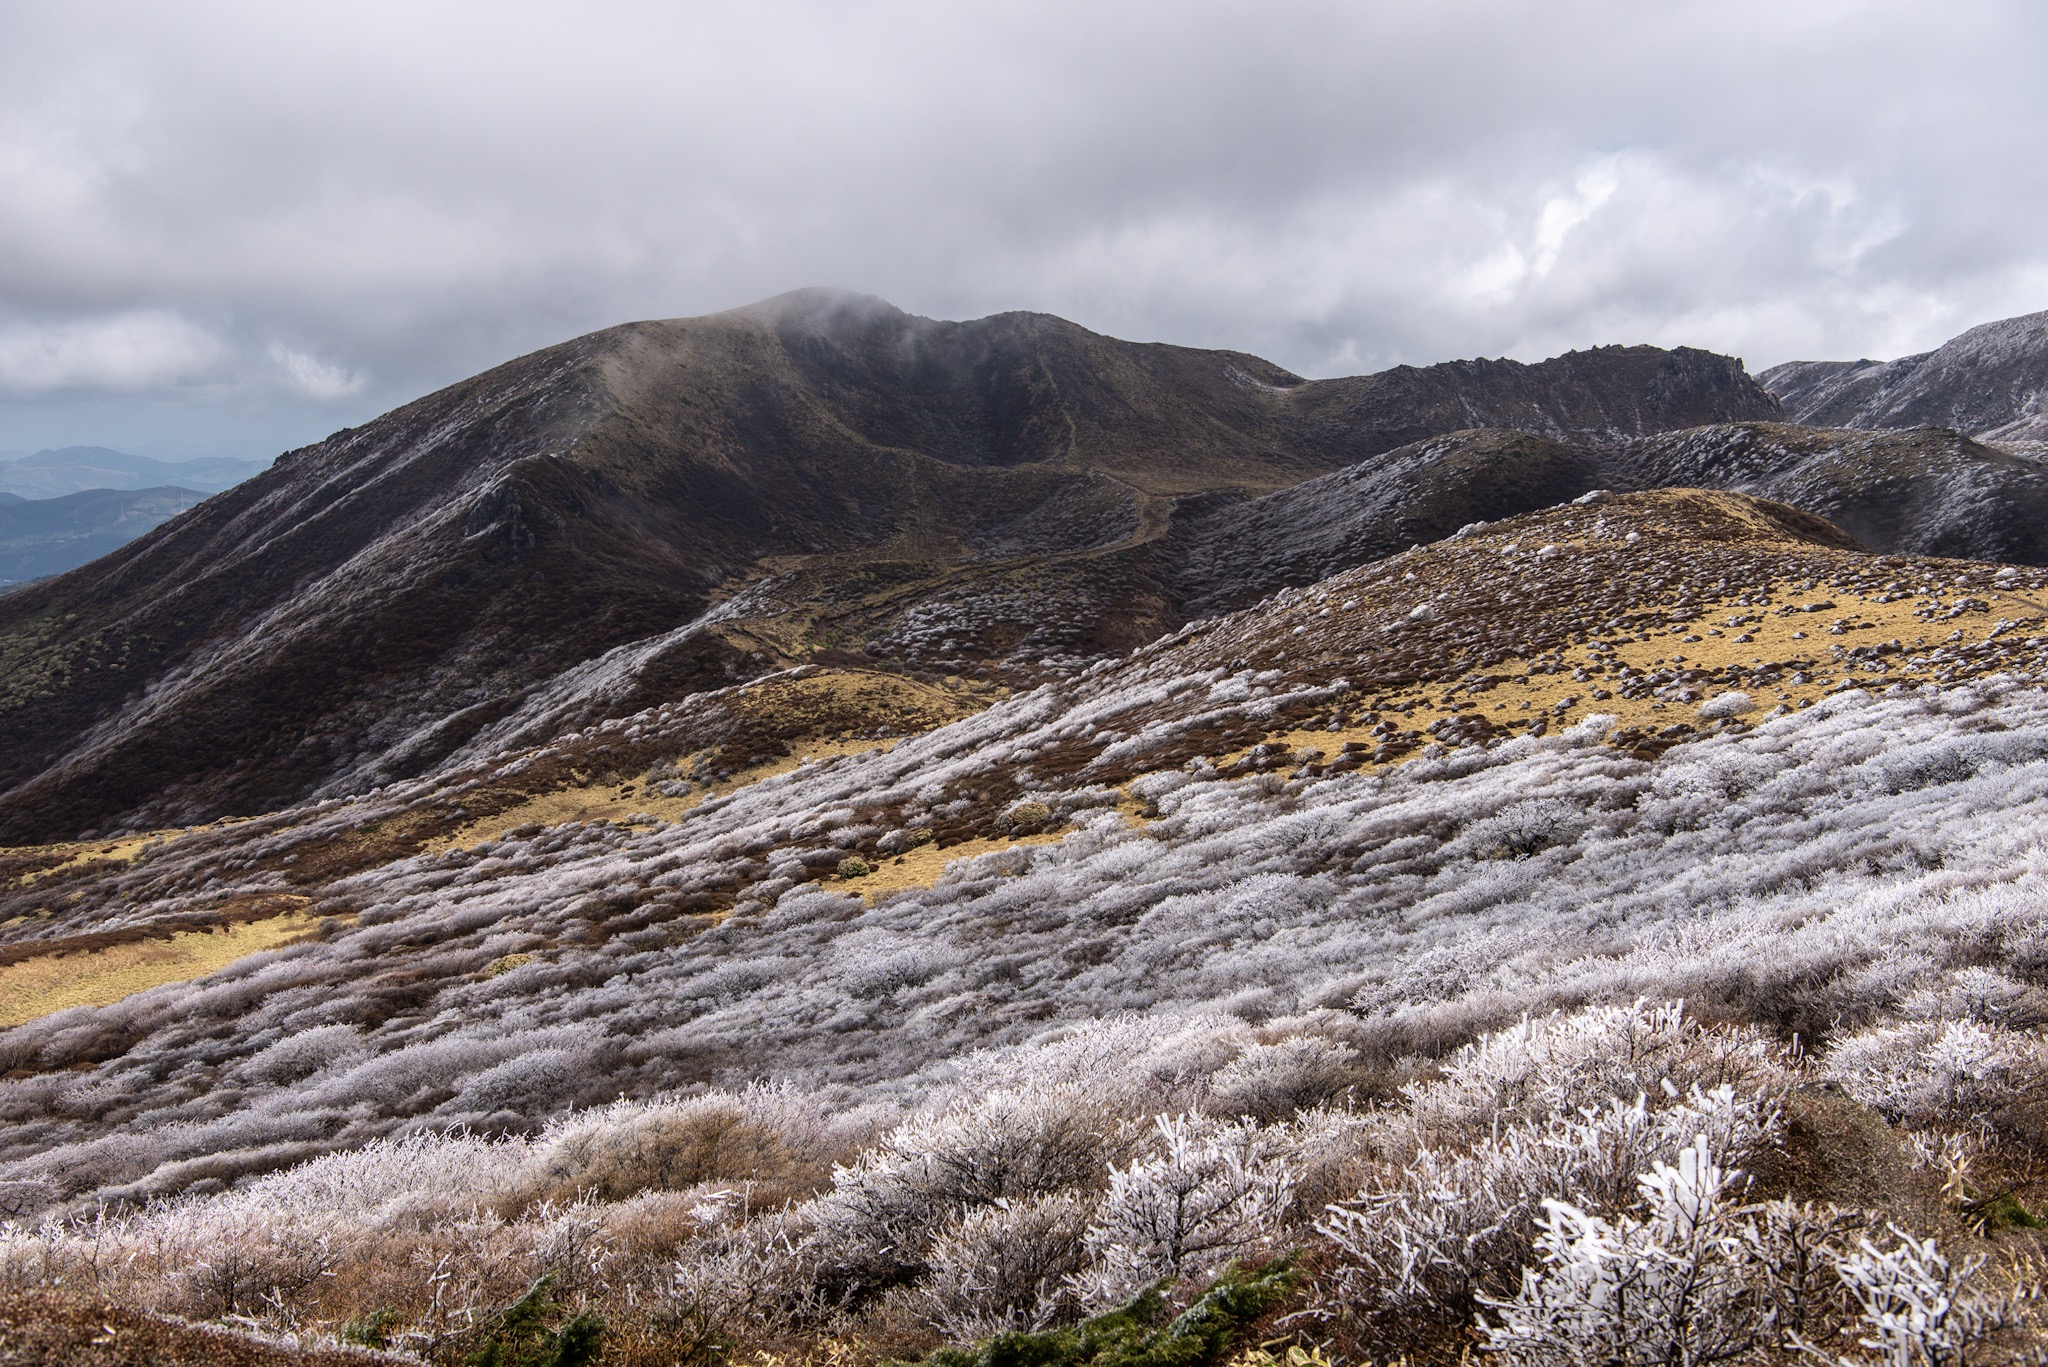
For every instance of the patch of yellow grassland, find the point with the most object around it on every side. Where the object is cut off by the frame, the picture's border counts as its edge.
(925, 865)
(121, 850)
(618, 801)
(1725, 633)
(817, 716)
(100, 977)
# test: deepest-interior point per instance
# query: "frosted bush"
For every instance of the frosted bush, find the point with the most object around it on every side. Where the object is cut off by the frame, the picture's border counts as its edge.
(298, 1055)
(1447, 1223)
(1672, 1286)
(1979, 994)
(753, 1274)
(1132, 1065)
(1726, 705)
(887, 1205)
(1559, 1063)
(1522, 829)
(1209, 1192)
(1272, 1081)
(535, 1083)
(413, 1181)
(1004, 1267)
(1918, 1308)
(633, 1147)
(1926, 1072)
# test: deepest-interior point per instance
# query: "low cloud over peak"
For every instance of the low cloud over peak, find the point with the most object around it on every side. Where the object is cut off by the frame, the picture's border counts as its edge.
(273, 221)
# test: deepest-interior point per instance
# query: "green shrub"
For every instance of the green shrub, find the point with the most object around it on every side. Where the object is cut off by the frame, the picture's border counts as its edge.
(853, 866)
(523, 1335)
(372, 1331)
(1132, 1336)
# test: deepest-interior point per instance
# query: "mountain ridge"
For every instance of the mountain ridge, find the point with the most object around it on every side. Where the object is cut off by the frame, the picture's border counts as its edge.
(374, 603)
(42, 537)
(53, 473)
(1989, 382)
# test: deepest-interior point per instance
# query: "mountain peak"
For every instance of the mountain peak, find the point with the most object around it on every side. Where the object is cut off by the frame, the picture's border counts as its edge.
(822, 306)
(1990, 382)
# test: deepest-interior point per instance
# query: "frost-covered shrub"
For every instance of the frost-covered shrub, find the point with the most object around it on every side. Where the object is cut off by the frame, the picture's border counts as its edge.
(1523, 828)
(750, 1274)
(1979, 994)
(884, 1208)
(1132, 1065)
(1272, 1081)
(1561, 1063)
(305, 1052)
(535, 1083)
(232, 1258)
(1004, 1267)
(664, 1146)
(1931, 1072)
(1687, 1276)
(1208, 1193)
(1448, 1223)
(1726, 705)
(1674, 1285)
(1918, 1308)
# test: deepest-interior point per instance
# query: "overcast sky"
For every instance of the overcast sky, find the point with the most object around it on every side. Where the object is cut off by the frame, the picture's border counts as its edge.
(232, 228)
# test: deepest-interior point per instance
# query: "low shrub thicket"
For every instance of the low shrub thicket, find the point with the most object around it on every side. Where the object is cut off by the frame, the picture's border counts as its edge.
(1567, 1189)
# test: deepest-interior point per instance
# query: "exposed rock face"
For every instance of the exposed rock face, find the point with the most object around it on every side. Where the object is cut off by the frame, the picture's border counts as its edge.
(1991, 382)
(1414, 495)
(565, 535)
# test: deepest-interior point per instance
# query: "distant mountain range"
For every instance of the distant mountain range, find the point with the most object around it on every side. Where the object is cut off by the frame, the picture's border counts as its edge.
(62, 508)
(46, 536)
(75, 469)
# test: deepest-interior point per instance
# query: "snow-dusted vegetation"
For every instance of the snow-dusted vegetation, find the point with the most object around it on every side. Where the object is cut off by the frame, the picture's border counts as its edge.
(1821, 872)
(1567, 1187)
(1334, 965)
(1413, 1020)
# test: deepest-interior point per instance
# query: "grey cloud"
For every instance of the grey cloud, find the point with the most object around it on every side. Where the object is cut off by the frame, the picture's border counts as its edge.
(264, 221)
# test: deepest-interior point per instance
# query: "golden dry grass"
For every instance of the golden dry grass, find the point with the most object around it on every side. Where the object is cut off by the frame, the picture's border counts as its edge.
(100, 977)
(618, 801)
(122, 850)
(925, 865)
(1801, 641)
(817, 715)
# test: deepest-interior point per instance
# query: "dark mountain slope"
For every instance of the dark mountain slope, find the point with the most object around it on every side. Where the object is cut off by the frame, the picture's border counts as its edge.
(1922, 491)
(1419, 493)
(1925, 491)
(1991, 382)
(1604, 394)
(372, 603)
